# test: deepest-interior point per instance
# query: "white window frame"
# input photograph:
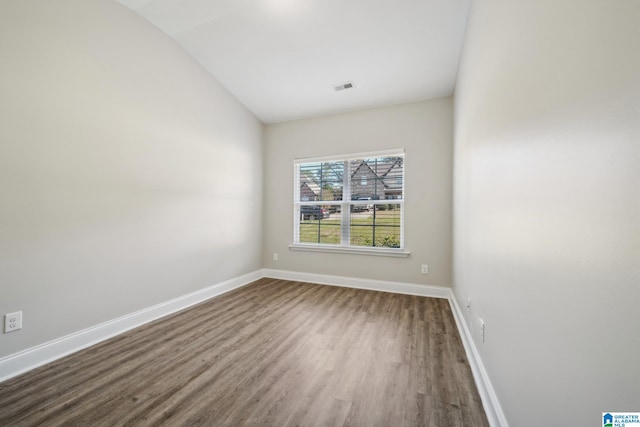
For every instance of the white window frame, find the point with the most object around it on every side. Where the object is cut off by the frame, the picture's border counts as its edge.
(345, 208)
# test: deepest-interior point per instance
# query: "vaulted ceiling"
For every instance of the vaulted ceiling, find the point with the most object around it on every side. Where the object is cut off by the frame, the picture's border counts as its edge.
(282, 58)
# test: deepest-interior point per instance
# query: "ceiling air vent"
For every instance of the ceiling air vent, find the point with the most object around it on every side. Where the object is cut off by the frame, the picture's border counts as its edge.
(343, 86)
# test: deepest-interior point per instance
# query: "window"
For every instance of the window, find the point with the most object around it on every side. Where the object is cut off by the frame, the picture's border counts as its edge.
(350, 203)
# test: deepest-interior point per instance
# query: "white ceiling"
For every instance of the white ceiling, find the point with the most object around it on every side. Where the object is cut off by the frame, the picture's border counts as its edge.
(281, 58)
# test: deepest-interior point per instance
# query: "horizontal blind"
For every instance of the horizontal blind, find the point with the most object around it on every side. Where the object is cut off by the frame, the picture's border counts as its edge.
(352, 156)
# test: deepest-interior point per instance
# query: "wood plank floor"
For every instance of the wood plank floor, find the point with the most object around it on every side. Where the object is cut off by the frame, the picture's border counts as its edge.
(274, 353)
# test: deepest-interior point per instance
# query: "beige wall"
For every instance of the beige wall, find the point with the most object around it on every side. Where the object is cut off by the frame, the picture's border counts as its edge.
(547, 204)
(424, 130)
(128, 176)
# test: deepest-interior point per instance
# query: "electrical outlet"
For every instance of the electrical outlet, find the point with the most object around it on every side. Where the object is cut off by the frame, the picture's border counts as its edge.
(481, 322)
(425, 269)
(468, 304)
(275, 256)
(12, 321)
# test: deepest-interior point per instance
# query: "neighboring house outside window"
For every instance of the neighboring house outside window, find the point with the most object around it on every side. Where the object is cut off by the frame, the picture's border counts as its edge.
(350, 202)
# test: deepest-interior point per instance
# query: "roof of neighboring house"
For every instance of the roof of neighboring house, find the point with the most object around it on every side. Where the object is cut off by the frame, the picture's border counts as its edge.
(386, 167)
(383, 168)
(313, 186)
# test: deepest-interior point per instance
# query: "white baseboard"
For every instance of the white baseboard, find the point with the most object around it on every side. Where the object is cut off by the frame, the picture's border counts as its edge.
(487, 393)
(31, 358)
(353, 282)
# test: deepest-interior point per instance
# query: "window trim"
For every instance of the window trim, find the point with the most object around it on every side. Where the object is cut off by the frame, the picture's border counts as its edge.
(355, 250)
(345, 204)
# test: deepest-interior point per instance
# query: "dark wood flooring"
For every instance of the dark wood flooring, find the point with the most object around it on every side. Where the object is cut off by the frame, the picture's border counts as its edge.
(274, 353)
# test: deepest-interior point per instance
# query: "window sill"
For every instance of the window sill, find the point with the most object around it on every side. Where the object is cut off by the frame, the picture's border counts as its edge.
(389, 252)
